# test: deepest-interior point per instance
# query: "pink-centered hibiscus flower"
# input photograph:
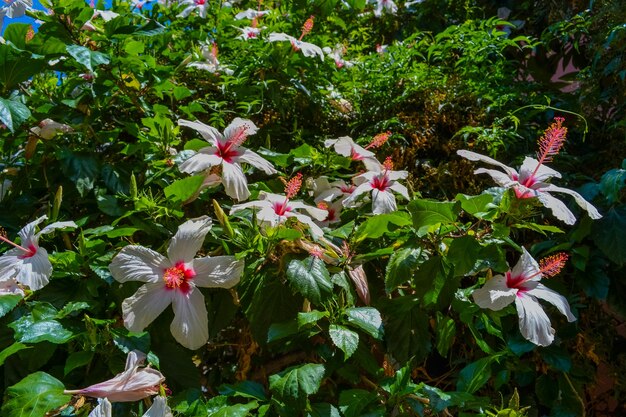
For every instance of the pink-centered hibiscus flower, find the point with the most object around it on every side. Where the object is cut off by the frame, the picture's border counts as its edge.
(521, 285)
(532, 179)
(174, 280)
(380, 183)
(202, 6)
(226, 151)
(275, 209)
(345, 146)
(134, 384)
(385, 5)
(307, 49)
(28, 263)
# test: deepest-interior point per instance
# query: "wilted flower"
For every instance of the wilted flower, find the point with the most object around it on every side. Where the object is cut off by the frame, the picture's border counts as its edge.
(28, 263)
(48, 129)
(381, 183)
(521, 285)
(202, 6)
(133, 384)
(531, 181)
(226, 151)
(173, 280)
(275, 209)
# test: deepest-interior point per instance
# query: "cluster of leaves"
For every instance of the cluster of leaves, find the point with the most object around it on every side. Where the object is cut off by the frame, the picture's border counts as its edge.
(296, 336)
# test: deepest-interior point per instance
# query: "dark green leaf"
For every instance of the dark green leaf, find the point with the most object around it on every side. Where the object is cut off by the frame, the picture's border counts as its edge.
(310, 277)
(476, 205)
(76, 360)
(352, 402)
(401, 266)
(345, 339)
(8, 303)
(323, 410)
(429, 213)
(245, 389)
(295, 384)
(475, 375)
(445, 331)
(406, 329)
(377, 226)
(607, 234)
(34, 396)
(14, 348)
(463, 254)
(29, 330)
(86, 57)
(182, 190)
(367, 319)
(310, 317)
(13, 113)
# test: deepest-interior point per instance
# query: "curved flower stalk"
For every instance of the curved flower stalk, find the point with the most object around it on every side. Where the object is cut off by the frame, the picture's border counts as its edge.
(308, 49)
(385, 5)
(381, 183)
(521, 285)
(202, 6)
(533, 176)
(226, 151)
(159, 408)
(345, 146)
(28, 263)
(173, 280)
(134, 384)
(275, 209)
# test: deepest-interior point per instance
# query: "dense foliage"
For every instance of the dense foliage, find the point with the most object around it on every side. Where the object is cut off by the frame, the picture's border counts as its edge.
(214, 157)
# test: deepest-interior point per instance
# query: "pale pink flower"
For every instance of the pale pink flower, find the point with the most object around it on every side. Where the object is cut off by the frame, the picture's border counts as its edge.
(337, 55)
(324, 190)
(308, 49)
(173, 280)
(521, 285)
(381, 183)
(28, 263)
(387, 5)
(48, 128)
(226, 151)
(251, 14)
(134, 384)
(345, 146)
(275, 209)
(10, 287)
(249, 32)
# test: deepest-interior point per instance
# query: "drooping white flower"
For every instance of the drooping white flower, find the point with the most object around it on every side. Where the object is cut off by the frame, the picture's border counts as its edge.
(275, 209)
(134, 384)
(380, 183)
(532, 179)
(159, 408)
(308, 49)
(251, 14)
(226, 151)
(387, 5)
(28, 263)
(345, 146)
(201, 6)
(173, 280)
(521, 285)
(48, 128)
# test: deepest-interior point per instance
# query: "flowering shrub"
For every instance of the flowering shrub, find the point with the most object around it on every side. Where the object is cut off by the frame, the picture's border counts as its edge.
(327, 268)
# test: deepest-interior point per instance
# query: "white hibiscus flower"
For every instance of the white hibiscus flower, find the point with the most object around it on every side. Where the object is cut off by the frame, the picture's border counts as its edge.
(173, 280)
(521, 285)
(159, 408)
(345, 146)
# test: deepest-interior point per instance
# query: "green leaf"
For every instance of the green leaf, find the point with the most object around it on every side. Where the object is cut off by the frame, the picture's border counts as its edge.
(557, 357)
(607, 234)
(27, 330)
(76, 360)
(323, 410)
(463, 254)
(475, 375)
(401, 266)
(612, 183)
(345, 339)
(17, 66)
(476, 205)
(237, 410)
(245, 389)
(86, 57)
(8, 303)
(376, 226)
(13, 113)
(182, 190)
(16, 34)
(295, 384)
(72, 307)
(279, 331)
(306, 318)
(352, 402)
(406, 328)
(445, 330)
(83, 169)
(14, 348)
(196, 144)
(34, 396)
(367, 319)
(429, 213)
(310, 277)
(430, 279)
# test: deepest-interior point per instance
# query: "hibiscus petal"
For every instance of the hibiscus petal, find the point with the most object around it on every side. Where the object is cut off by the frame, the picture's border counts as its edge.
(400, 189)
(35, 270)
(584, 204)
(259, 204)
(473, 156)
(234, 129)
(554, 298)
(27, 234)
(56, 225)
(316, 213)
(10, 263)
(361, 189)
(235, 182)
(526, 267)
(146, 305)
(136, 263)
(158, 408)
(209, 133)
(494, 295)
(10, 287)
(315, 230)
(534, 323)
(190, 327)
(102, 410)
(189, 239)
(558, 208)
(383, 202)
(542, 174)
(206, 158)
(252, 158)
(500, 178)
(217, 271)
(277, 37)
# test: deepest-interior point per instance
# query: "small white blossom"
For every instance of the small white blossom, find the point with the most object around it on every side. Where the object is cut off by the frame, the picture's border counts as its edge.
(381, 183)
(308, 49)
